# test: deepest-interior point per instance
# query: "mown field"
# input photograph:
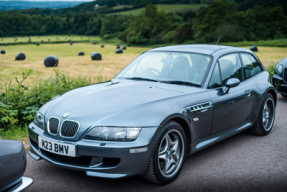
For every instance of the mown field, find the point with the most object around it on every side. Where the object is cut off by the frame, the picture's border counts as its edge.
(45, 39)
(70, 62)
(164, 7)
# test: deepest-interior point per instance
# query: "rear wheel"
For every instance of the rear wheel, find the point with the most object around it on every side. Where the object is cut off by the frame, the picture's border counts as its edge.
(168, 155)
(266, 117)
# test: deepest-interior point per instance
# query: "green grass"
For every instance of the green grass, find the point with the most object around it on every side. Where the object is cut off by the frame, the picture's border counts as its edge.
(164, 7)
(265, 43)
(53, 39)
(17, 133)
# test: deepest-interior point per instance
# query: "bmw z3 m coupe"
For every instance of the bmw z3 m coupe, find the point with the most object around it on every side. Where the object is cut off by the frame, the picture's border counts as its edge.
(168, 103)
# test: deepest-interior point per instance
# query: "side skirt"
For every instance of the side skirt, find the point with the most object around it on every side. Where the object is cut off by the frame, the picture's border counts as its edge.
(210, 140)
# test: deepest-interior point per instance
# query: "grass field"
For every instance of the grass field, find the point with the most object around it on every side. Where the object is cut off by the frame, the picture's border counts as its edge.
(53, 39)
(164, 7)
(69, 61)
(75, 65)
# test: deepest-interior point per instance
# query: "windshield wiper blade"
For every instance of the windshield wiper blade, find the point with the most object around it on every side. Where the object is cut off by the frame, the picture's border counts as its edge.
(142, 78)
(182, 83)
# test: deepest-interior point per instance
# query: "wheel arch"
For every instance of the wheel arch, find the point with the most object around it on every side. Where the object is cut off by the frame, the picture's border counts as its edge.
(273, 93)
(183, 122)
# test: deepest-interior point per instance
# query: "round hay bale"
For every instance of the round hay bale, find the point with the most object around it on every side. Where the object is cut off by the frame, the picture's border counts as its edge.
(94, 42)
(118, 46)
(37, 43)
(48, 39)
(124, 47)
(51, 61)
(20, 57)
(71, 43)
(119, 51)
(38, 37)
(254, 48)
(6, 44)
(128, 45)
(42, 41)
(81, 53)
(3, 52)
(96, 56)
(102, 46)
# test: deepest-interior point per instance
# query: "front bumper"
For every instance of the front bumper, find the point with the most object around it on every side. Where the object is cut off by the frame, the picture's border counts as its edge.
(279, 84)
(109, 159)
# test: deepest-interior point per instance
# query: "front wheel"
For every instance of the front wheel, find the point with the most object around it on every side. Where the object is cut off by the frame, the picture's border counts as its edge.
(266, 117)
(168, 155)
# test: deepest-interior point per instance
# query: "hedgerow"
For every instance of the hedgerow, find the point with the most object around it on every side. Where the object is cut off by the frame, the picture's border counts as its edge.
(19, 103)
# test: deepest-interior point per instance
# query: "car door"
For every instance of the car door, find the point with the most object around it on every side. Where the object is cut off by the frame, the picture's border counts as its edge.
(234, 107)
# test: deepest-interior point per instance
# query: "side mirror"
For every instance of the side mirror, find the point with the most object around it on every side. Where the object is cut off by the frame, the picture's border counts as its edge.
(233, 82)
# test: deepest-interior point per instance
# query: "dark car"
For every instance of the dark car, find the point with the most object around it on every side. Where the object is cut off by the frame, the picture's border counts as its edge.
(12, 166)
(280, 77)
(168, 103)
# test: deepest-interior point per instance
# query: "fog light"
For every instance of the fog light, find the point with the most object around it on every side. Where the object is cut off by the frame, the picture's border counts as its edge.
(138, 150)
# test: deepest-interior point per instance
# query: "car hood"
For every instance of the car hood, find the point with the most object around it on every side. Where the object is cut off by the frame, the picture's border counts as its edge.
(102, 104)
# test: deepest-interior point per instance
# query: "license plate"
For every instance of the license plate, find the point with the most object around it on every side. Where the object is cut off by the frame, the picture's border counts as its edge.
(57, 148)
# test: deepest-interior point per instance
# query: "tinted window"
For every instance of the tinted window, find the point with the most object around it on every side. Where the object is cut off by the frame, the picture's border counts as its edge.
(250, 66)
(215, 80)
(230, 67)
(168, 66)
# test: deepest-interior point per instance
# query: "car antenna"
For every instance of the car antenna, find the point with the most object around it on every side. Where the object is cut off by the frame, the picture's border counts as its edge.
(220, 34)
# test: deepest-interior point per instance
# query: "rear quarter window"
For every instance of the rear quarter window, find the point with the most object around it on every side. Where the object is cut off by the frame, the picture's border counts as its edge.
(250, 65)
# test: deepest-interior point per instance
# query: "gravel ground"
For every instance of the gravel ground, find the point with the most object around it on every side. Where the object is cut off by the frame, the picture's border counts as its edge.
(241, 163)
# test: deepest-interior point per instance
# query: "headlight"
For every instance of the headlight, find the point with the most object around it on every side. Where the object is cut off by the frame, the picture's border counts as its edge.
(39, 120)
(280, 69)
(113, 133)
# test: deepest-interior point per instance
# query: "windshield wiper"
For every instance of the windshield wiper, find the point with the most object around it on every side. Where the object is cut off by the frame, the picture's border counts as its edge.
(142, 78)
(182, 83)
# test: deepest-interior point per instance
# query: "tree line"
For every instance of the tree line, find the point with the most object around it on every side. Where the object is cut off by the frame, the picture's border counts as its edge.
(154, 27)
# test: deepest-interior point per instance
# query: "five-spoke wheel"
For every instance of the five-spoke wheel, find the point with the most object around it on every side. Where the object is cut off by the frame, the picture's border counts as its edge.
(168, 154)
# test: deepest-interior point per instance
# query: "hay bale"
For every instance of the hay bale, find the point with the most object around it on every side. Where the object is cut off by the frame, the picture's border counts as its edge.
(37, 43)
(102, 46)
(3, 52)
(42, 41)
(94, 42)
(6, 44)
(128, 45)
(81, 53)
(124, 47)
(119, 51)
(96, 56)
(71, 43)
(118, 46)
(254, 48)
(51, 61)
(20, 57)
(48, 39)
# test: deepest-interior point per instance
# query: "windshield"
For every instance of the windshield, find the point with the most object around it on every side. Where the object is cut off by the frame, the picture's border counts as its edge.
(168, 67)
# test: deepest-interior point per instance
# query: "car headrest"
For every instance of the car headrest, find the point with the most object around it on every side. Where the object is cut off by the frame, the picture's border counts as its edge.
(227, 69)
(180, 63)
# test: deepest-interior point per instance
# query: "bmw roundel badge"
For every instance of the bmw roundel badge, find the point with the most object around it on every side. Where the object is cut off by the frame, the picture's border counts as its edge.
(66, 115)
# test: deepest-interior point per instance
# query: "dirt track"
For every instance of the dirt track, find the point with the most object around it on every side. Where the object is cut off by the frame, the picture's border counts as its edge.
(241, 163)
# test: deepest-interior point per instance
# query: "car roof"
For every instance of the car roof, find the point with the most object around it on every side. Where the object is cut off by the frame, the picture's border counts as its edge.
(198, 48)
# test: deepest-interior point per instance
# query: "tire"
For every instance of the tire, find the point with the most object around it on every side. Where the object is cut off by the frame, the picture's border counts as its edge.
(165, 165)
(263, 124)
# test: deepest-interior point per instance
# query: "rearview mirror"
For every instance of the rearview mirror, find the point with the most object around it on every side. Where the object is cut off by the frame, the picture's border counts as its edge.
(233, 82)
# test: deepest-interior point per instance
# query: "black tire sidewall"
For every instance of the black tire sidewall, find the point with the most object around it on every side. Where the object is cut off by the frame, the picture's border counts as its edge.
(259, 123)
(169, 126)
